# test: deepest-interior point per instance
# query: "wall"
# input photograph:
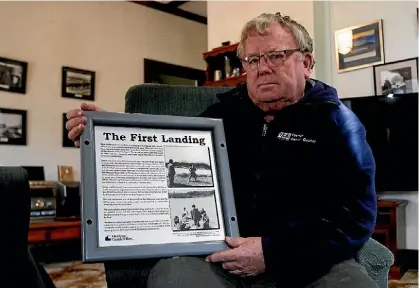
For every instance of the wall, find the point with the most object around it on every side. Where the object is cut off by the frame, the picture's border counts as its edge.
(400, 38)
(400, 42)
(111, 38)
(226, 19)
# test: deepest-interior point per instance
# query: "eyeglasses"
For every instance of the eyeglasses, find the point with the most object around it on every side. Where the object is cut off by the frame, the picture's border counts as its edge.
(273, 58)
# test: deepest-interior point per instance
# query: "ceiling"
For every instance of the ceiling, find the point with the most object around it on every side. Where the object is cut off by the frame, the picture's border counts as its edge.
(192, 10)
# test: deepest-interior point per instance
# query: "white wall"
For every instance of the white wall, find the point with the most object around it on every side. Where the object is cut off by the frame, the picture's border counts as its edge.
(227, 18)
(400, 30)
(111, 38)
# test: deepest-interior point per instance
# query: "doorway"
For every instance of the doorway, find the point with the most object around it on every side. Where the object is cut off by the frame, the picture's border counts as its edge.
(170, 74)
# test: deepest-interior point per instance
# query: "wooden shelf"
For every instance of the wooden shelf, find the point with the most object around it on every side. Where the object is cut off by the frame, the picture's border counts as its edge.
(215, 62)
(221, 50)
(229, 82)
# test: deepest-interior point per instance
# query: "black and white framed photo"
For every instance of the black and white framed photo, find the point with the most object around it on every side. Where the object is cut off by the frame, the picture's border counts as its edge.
(13, 75)
(136, 207)
(398, 77)
(13, 125)
(66, 142)
(78, 83)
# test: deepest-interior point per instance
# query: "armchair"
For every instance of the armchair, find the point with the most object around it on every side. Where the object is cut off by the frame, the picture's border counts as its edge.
(20, 267)
(190, 101)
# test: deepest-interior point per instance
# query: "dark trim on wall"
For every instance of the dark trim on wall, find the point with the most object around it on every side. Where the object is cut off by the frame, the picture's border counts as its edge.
(174, 10)
(176, 3)
(152, 68)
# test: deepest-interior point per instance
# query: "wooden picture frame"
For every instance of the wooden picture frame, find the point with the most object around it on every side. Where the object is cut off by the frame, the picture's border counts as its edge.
(359, 46)
(65, 173)
(13, 74)
(78, 83)
(13, 127)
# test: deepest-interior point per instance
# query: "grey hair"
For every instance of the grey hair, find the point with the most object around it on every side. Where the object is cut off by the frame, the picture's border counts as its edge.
(261, 22)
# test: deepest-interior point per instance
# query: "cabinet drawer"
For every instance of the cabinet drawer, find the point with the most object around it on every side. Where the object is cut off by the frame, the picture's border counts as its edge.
(45, 235)
(36, 236)
(65, 234)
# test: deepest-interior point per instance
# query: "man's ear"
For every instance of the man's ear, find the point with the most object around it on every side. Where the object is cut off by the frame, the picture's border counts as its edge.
(308, 61)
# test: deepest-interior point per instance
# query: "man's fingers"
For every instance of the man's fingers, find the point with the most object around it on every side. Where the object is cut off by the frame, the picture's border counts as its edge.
(74, 122)
(75, 132)
(89, 107)
(222, 256)
(74, 113)
(77, 143)
(235, 242)
(237, 273)
(231, 266)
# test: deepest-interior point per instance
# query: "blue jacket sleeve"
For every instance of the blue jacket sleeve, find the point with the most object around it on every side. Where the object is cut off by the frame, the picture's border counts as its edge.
(340, 223)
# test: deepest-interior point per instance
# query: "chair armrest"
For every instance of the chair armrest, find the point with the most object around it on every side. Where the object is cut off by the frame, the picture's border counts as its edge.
(377, 260)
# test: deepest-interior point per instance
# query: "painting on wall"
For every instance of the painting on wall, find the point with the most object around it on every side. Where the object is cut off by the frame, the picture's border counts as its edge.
(359, 46)
(13, 75)
(78, 83)
(398, 77)
(66, 142)
(13, 127)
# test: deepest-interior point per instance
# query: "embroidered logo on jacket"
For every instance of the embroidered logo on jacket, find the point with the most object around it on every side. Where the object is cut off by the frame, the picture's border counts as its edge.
(292, 137)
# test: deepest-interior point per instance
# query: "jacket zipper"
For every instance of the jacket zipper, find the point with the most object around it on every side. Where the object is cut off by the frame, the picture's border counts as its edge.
(264, 129)
(262, 150)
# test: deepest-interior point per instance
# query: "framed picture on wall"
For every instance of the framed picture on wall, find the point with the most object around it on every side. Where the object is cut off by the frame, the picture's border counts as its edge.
(13, 75)
(13, 125)
(78, 83)
(398, 77)
(66, 142)
(359, 46)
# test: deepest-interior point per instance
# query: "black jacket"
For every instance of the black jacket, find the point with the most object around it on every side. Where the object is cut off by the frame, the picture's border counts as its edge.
(304, 181)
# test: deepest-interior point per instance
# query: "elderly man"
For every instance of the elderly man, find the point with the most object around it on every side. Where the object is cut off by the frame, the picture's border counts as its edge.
(303, 174)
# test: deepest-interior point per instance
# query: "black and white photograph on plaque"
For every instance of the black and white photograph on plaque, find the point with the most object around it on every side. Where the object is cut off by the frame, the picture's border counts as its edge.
(78, 83)
(188, 166)
(400, 77)
(193, 210)
(12, 127)
(13, 75)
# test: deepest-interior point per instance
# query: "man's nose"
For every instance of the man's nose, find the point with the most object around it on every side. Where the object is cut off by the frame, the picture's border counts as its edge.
(264, 66)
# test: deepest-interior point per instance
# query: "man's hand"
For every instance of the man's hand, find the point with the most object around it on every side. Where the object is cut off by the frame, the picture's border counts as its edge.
(76, 121)
(245, 259)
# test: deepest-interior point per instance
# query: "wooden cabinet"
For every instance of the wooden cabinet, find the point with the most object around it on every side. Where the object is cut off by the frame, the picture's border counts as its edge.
(390, 228)
(216, 60)
(51, 231)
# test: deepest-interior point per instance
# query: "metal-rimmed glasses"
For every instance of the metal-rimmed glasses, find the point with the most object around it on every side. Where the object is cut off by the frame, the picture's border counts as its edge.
(273, 59)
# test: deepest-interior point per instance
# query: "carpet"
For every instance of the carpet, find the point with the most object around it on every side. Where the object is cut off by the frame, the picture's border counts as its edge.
(409, 280)
(77, 275)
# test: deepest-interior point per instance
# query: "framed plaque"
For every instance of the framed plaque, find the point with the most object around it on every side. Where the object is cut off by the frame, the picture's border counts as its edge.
(154, 186)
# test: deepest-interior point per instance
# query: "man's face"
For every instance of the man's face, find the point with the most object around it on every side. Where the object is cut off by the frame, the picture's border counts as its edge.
(274, 87)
